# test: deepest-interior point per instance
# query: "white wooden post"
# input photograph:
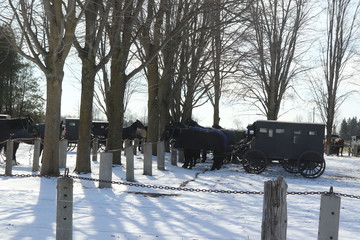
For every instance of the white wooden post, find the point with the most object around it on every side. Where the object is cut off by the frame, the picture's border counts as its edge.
(95, 147)
(174, 157)
(129, 153)
(148, 159)
(274, 220)
(329, 217)
(64, 208)
(9, 157)
(127, 143)
(62, 153)
(36, 157)
(105, 171)
(160, 155)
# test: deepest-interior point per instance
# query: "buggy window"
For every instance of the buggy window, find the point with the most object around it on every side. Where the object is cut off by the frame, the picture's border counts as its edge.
(297, 132)
(280, 130)
(263, 130)
(72, 124)
(312, 133)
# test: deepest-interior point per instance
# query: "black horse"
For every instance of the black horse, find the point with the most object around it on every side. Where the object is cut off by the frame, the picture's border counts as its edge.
(27, 138)
(192, 139)
(22, 136)
(9, 127)
(134, 131)
(230, 134)
(337, 146)
(141, 135)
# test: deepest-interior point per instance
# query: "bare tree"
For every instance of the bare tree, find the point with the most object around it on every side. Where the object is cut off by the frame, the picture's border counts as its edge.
(87, 43)
(162, 29)
(227, 32)
(44, 32)
(272, 62)
(122, 33)
(336, 54)
(194, 64)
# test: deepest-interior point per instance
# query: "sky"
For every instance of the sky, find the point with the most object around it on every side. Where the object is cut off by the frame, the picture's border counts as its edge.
(28, 204)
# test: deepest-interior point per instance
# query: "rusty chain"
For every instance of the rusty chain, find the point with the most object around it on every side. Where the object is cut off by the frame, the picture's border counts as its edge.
(66, 174)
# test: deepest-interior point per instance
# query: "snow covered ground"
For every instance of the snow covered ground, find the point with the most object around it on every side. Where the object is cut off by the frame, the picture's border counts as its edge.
(28, 204)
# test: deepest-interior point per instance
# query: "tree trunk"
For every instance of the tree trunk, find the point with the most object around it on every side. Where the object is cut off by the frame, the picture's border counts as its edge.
(116, 109)
(217, 61)
(153, 104)
(83, 163)
(50, 162)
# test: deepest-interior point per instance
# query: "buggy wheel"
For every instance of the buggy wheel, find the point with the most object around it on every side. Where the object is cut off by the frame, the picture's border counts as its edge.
(290, 166)
(254, 161)
(311, 164)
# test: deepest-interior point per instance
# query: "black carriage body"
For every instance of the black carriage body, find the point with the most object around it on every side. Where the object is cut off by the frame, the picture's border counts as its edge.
(286, 140)
(72, 130)
(99, 129)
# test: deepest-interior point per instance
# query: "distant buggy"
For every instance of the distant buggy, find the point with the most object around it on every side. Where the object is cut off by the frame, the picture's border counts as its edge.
(298, 147)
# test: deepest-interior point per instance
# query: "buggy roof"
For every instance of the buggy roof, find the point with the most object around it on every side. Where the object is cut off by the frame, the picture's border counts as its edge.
(272, 123)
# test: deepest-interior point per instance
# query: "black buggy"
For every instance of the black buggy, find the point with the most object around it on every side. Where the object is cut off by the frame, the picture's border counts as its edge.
(298, 147)
(72, 132)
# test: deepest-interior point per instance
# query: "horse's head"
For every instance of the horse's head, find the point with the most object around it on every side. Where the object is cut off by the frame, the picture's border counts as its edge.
(141, 133)
(30, 126)
(191, 123)
(137, 124)
(172, 130)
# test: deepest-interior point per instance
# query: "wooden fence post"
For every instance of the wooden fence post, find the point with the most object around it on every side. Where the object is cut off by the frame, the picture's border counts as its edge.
(329, 217)
(160, 155)
(9, 157)
(95, 147)
(62, 153)
(173, 157)
(274, 220)
(129, 153)
(148, 159)
(36, 156)
(127, 143)
(64, 208)
(105, 171)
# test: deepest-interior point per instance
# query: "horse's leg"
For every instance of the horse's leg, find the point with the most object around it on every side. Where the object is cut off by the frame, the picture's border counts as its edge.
(203, 156)
(218, 160)
(195, 157)
(191, 161)
(187, 158)
(16, 147)
(41, 149)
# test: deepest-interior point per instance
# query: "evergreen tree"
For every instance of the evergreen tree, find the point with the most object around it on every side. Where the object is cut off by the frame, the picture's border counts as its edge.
(353, 127)
(344, 132)
(20, 93)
